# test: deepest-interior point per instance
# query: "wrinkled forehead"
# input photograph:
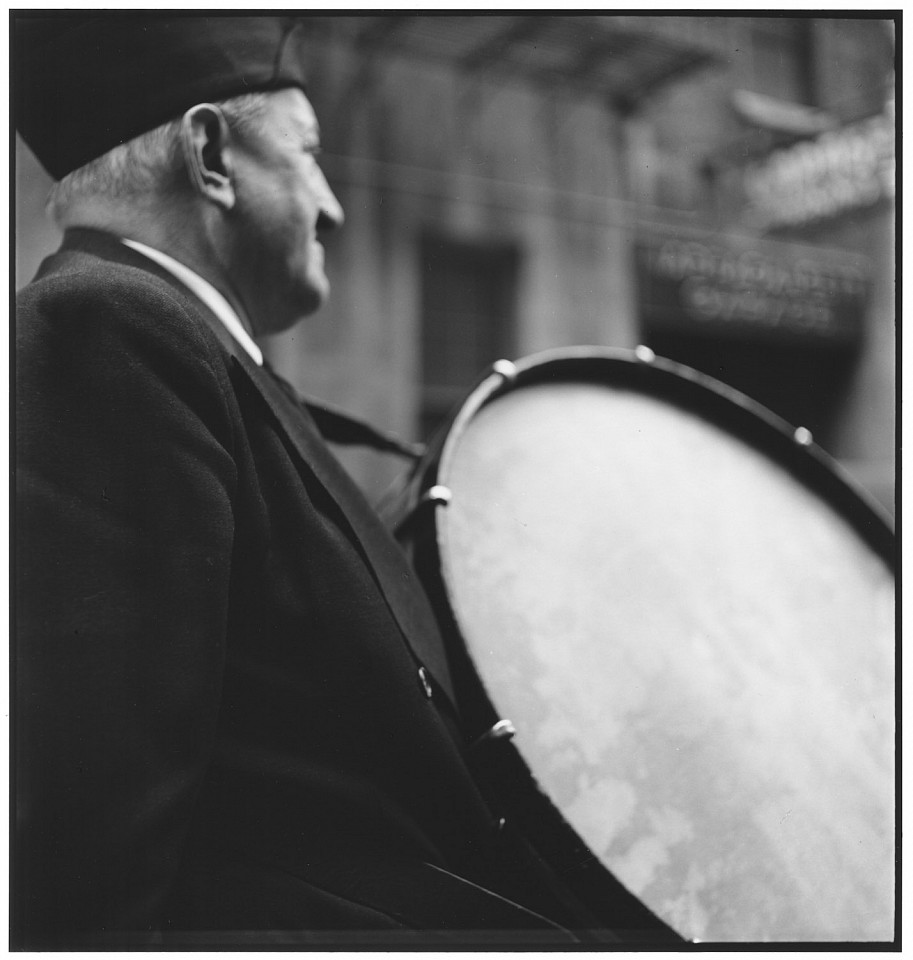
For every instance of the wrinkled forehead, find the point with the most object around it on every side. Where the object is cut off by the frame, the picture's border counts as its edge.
(290, 114)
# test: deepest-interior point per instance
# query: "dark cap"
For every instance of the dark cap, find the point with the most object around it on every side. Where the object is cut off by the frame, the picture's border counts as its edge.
(85, 84)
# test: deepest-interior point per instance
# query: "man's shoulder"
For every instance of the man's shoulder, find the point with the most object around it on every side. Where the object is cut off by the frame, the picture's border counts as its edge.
(72, 276)
(112, 337)
(78, 294)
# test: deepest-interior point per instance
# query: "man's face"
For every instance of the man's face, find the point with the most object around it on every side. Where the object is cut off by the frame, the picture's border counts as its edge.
(282, 203)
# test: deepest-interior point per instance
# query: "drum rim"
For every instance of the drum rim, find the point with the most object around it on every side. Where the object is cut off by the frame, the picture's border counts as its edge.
(790, 446)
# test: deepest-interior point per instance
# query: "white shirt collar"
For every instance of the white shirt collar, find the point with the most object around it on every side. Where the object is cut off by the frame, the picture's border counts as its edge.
(206, 292)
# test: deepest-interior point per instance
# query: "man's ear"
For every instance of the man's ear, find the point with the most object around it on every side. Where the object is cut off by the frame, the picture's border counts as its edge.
(204, 141)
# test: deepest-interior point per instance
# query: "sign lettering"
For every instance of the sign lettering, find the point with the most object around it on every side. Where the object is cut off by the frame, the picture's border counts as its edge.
(767, 288)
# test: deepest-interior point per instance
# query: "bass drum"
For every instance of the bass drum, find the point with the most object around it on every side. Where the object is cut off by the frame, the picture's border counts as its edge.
(686, 613)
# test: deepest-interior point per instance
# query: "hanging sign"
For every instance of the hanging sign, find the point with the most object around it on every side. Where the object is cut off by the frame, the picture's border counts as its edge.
(839, 171)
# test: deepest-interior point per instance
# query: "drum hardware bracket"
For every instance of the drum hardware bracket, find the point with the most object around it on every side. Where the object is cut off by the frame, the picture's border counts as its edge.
(502, 730)
(803, 436)
(506, 370)
(436, 496)
(644, 354)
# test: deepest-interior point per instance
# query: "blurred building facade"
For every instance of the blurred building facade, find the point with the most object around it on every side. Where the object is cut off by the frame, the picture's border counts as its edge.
(718, 188)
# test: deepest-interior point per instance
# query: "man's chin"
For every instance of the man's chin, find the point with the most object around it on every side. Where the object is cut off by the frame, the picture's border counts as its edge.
(290, 314)
(286, 305)
(312, 300)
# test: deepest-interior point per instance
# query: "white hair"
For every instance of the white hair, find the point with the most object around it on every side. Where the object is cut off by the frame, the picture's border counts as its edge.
(147, 165)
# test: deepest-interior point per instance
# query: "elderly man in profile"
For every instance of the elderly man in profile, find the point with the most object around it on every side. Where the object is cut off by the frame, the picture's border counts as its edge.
(234, 715)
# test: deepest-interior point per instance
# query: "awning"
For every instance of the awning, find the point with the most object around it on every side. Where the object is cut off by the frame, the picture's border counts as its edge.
(598, 56)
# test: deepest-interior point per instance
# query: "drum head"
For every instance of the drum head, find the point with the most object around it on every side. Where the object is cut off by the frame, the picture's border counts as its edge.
(688, 617)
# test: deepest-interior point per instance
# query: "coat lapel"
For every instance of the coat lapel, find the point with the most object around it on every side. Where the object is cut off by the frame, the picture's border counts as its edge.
(388, 565)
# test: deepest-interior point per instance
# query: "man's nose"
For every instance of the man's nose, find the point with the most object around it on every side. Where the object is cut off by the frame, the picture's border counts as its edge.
(331, 213)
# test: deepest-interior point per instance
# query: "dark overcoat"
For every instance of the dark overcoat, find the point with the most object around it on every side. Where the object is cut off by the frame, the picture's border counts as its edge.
(233, 716)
